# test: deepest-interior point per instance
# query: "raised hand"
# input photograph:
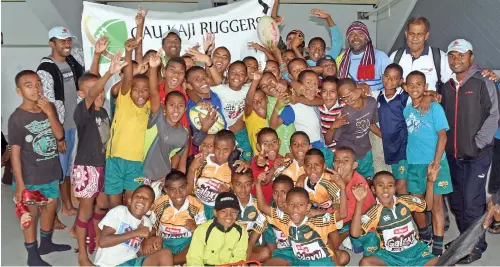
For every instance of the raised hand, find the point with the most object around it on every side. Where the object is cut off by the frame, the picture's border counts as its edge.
(262, 157)
(256, 76)
(142, 230)
(279, 20)
(337, 178)
(132, 43)
(155, 60)
(208, 43)
(197, 56)
(44, 104)
(208, 121)
(115, 66)
(433, 171)
(141, 16)
(242, 166)
(320, 13)
(101, 44)
(340, 121)
(255, 46)
(197, 162)
(360, 192)
(142, 68)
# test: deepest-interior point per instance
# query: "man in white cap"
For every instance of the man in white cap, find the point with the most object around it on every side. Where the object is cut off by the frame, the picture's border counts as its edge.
(171, 43)
(59, 73)
(470, 102)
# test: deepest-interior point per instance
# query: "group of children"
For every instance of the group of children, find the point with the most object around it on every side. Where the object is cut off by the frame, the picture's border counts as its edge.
(287, 181)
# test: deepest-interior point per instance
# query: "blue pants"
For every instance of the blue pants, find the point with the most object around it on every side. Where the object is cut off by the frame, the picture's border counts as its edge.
(468, 199)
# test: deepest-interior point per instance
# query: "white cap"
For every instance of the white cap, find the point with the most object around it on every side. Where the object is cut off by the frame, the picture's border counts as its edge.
(60, 33)
(174, 31)
(460, 45)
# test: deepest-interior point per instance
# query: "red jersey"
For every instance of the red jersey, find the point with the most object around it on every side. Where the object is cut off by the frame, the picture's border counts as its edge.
(266, 189)
(351, 200)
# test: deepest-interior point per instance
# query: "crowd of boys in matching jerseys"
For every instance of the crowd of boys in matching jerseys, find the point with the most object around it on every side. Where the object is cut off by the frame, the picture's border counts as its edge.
(288, 182)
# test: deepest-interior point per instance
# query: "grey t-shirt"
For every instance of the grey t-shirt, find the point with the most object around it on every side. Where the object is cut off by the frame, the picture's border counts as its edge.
(39, 156)
(70, 96)
(355, 134)
(168, 142)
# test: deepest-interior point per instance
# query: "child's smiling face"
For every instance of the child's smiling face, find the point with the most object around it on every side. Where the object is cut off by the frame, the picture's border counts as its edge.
(226, 217)
(314, 167)
(268, 84)
(241, 185)
(299, 146)
(329, 93)
(237, 76)
(269, 145)
(260, 103)
(177, 192)
(296, 68)
(384, 189)
(274, 68)
(140, 202)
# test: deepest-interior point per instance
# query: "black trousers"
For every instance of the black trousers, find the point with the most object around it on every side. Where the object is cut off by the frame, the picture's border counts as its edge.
(468, 199)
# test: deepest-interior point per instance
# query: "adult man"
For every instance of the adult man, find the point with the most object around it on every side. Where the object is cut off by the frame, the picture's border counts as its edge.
(171, 43)
(418, 55)
(470, 102)
(59, 73)
(361, 61)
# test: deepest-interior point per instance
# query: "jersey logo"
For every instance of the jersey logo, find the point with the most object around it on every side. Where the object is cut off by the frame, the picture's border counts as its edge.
(416, 200)
(142, 180)
(372, 249)
(252, 215)
(425, 253)
(404, 211)
(387, 218)
(401, 169)
(365, 218)
(443, 184)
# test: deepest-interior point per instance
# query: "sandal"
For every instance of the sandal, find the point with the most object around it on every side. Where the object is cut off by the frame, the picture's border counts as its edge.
(494, 228)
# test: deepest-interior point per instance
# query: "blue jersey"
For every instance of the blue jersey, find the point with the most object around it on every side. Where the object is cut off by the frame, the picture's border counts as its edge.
(393, 125)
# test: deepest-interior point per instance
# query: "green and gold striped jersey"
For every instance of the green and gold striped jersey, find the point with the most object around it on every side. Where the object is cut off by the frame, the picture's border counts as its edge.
(324, 194)
(309, 239)
(394, 226)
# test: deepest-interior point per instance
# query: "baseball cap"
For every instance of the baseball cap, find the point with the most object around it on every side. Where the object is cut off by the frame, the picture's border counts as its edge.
(460, 45)
(173, 30)
(325, 58)
(227, 200)
(60, 32)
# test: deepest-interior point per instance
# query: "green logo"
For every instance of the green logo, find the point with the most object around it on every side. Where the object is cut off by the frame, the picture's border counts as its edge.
(115, 30)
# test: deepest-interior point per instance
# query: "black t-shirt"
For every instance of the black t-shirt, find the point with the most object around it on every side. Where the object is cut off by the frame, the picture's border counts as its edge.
(93, 135)
(39, 156)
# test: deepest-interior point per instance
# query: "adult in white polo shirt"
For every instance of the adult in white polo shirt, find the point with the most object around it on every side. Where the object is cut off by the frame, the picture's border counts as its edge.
(418, 55)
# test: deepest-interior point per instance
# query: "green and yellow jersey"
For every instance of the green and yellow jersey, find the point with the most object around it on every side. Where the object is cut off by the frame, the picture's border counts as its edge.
(394, 227)
(309, 239)
(324, 194)
(169, 223)
(209, 179)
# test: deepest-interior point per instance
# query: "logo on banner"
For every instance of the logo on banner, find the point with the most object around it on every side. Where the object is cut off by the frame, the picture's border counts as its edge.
(115, 30)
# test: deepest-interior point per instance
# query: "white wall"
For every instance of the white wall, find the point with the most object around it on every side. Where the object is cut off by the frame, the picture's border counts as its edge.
(169, 7)
(390, 22)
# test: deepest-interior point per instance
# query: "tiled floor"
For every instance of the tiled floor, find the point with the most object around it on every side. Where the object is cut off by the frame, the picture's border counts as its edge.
(14, 253)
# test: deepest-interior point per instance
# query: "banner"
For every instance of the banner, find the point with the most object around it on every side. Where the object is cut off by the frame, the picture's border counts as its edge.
(234, 25)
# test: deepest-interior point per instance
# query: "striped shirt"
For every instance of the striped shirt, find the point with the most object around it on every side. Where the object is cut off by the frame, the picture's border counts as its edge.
(328, 116)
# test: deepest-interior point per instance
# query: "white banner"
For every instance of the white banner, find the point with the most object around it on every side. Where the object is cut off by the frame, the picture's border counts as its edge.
(234, 25)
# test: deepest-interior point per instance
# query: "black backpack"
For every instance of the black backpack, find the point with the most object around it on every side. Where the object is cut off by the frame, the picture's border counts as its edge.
(436, 57)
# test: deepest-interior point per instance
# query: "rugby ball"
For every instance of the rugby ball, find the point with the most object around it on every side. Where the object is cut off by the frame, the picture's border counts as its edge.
(268, 31)
(203, 109)
(117, 33)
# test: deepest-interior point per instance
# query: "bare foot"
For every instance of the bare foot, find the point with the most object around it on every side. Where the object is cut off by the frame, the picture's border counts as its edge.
(72, 232)
(83, 260)
(71, 212)
(58, 225)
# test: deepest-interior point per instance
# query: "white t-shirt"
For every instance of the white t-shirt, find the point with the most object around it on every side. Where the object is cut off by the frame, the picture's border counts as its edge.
(233, 102)
(425, 64)
(305, 118)
(120, 219)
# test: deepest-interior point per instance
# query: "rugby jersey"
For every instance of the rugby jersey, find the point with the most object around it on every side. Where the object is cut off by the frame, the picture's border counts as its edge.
(324, 194)
(394, 227)
(309, 239)
(251, 217)
(169, 223)
(281, 238)
(209, 178)
(328, 116)
(294, 171)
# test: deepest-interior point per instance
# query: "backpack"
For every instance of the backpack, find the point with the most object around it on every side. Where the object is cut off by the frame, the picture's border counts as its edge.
(436, 57)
